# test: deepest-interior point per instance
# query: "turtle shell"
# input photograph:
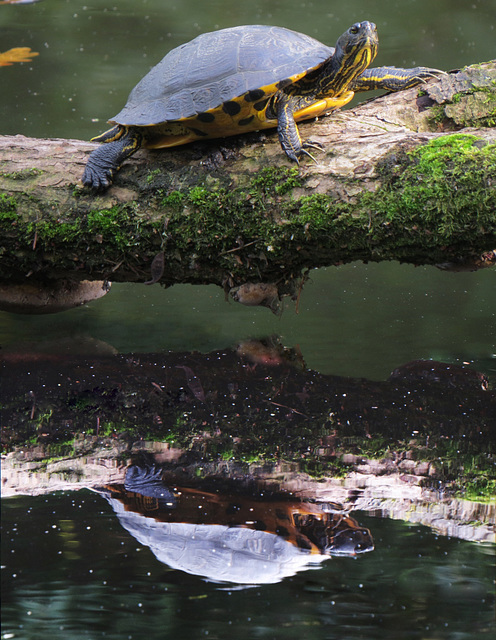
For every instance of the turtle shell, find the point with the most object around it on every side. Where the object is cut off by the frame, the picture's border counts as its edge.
(221, 69)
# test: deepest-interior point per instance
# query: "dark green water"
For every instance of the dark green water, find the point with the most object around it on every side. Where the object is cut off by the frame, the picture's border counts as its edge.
(358, 320)
(69, 570)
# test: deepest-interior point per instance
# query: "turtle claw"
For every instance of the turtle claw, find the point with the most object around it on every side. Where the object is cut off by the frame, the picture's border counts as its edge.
(308, 154)
(99, 172)
(428, 74)
(311, 144)
(290, 151)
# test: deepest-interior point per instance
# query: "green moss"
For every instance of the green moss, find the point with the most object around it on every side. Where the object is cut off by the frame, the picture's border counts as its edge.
(108, 429)
(152, 175)
(436, 116)
(442, 188)
(202, 197)
(418, 197)
(212, 222)
(417, 204)
(275, 181)
(432, 157)
(8, 208)
(50, 231)
(24, 174)
(175, 199)
(480, 489)
(477, 109)
(317, 468)
(115, 226)
(375, 448)
(318, 211)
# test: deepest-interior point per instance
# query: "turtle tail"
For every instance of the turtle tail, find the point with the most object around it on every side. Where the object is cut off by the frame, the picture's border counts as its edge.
(105, 161)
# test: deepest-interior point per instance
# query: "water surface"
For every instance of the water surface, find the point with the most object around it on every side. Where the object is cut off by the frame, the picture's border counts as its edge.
(70, 570)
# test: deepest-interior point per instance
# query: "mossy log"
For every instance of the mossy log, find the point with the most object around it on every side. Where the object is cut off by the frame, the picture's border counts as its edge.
(408, 176)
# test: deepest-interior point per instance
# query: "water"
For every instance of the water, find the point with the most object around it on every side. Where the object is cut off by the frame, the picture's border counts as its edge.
(358, 320)
(69, 569)
(72, 571)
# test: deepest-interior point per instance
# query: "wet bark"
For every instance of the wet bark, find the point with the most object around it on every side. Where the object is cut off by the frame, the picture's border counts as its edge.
(408, 176)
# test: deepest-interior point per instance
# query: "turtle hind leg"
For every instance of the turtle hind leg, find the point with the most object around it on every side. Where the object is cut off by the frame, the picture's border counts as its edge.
(105, 161)
(393, 78)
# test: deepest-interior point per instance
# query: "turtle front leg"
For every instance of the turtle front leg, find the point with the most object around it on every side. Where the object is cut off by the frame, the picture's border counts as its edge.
(393, 78)
(107, 159)
(287, 129)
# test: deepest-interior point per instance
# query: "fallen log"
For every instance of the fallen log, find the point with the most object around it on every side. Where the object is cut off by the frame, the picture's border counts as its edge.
(409, 176)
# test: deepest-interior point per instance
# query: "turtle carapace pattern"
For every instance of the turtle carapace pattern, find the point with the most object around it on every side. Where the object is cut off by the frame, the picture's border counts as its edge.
(243, 79)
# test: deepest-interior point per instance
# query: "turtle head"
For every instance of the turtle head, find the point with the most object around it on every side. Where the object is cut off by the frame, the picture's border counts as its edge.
(355, 50)
(357, 47)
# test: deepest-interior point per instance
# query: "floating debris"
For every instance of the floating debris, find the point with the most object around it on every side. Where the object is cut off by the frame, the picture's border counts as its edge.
(17, 54)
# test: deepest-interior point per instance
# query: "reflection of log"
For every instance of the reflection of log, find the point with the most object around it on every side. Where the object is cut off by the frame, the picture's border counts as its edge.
(390, 186)
(428, 419)
(389, 488)
(264, 388)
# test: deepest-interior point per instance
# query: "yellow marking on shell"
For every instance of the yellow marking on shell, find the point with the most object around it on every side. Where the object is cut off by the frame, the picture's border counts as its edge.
(175, 133)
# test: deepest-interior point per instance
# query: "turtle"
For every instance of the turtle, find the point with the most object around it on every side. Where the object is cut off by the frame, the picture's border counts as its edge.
(241, 79)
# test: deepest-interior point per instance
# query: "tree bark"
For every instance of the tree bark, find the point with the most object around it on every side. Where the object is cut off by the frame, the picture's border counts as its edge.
(409, 176)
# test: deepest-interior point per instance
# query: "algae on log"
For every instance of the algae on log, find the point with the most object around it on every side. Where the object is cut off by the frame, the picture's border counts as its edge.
(399, 179)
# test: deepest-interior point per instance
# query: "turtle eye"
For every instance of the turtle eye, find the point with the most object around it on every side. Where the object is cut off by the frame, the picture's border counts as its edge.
(354, 29)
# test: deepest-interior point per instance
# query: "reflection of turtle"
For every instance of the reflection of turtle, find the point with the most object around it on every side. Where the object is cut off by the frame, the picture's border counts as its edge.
(232, 536)
(147, 482)
(243, 79)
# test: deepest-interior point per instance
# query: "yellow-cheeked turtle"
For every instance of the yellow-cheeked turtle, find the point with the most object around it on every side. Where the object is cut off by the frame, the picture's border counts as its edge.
(244, 79)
